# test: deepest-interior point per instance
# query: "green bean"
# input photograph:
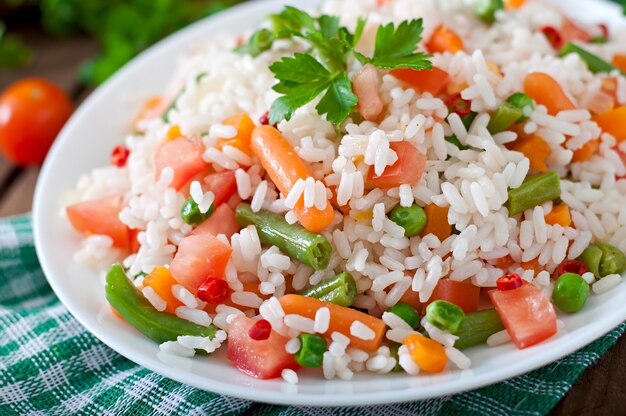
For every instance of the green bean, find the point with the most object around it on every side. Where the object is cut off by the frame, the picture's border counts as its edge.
(455, 141)
(340, 290)
(412, 219)
(468, 119)
(570, 292)
(594, 62)
(521, 101)
(310, 248)
(311, 352)
(407, 313)
(132, 305)
(505, 116)
(393, 352)
(477, 327)
(486, 10)
(190, 212)
(535, 190)
(603, 259)
(445, 315)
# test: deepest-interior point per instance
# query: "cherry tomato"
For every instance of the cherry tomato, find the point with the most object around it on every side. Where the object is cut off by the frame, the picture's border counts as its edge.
(32, 112)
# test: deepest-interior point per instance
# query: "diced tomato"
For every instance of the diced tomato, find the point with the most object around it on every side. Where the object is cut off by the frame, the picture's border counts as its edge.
(412, 298)
(425, 80)
(183, 156)
(570, 31)
(221, 222)
(100, 216)
(133, 243)
(503, 263)
(199, 257)
(197, 177)
(259, 359)
(407, 169)
(527, 314)
(222, 184)
(233, 201)
(463, 294)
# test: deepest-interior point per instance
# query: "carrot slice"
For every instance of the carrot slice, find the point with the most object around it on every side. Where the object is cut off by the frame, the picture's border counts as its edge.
(341, 319)
(619, 61)
(443, 40)
(559, 215)
(161, 281)
(513, 4)
(426, 80)
(284, 167)
(585, 152)
(547, 91)
(612, 122)
(437, 222)
(535, 149)
(429, 355)
(173, 133)
(244, 126)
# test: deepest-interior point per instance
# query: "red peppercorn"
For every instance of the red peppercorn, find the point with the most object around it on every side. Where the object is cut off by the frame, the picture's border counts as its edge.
(605, 30)
(213, 291)
(553, 36)
(261, 330)
(509, 282)
(460, 106)
(570, 266)
(119, 156)
(265, 119)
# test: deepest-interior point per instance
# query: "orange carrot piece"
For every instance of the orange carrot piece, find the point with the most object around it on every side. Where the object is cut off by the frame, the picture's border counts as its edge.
(428, 354)
(584, 153)
(341, 319)
(173, 133)
(426, 80)
(612, 122)
(619, 61)
(244, 126)
(437, 222)
(547, 91)
(514, 4)
(443, 40)
(161, 281)
(284, 167)
(532, 265)
(152, 107)
(535, 149)
(559, 215)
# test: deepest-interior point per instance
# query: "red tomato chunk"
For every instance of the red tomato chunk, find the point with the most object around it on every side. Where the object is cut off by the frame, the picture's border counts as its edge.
(222, 184)
(184, 157)
(407, 169)
(527, 314)
(100, 216)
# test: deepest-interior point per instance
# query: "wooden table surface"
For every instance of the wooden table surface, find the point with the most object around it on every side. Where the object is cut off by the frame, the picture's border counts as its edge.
(601, 389)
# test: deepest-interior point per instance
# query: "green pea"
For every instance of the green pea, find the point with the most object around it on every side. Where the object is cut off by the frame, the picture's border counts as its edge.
(445, 315)
(311, 352)
(190, 212)
(412, 219)
(521, 101)
(603, 259)
(407, 313)
(486, 10)
(570, 292)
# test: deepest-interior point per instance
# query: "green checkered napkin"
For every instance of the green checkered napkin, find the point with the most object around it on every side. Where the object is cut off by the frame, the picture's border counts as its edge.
(49, 364)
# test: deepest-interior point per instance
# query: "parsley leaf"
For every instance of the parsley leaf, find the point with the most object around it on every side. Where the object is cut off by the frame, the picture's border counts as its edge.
(395, 48)
(338, 101)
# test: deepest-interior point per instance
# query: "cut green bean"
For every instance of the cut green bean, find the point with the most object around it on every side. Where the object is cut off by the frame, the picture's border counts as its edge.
(521, 101)
(603, 259)
(445, 315)
(407, 313)
(477, 327)
(393, 352)
(455, 141)
(340, 290)
(468, 120)
(594, 62)
(535, 190)
(311, 352)
(292, 239)
(132, 305)
(412, 219)
(486, 10)
(190, 212)
(505, 116)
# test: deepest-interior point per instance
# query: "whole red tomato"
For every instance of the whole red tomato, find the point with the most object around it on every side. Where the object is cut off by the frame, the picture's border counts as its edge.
(32, 112)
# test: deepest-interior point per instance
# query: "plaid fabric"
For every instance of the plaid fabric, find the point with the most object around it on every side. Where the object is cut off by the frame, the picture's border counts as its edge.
(50, 365)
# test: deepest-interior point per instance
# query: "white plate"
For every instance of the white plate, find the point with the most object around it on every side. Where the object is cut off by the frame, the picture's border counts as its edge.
(101, 122)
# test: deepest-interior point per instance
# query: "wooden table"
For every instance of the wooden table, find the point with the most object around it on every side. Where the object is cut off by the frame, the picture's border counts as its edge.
(602, 387)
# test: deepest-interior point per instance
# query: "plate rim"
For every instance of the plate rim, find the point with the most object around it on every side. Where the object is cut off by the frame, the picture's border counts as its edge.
(246, 392)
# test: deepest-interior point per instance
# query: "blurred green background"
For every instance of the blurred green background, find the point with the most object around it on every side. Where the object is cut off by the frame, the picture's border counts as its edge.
(122, 28)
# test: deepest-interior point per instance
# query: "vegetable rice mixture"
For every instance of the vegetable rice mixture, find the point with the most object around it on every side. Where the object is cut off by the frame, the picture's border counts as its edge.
(369, 194)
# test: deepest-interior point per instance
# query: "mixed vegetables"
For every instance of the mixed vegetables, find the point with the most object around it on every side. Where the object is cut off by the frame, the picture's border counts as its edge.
(456, 308)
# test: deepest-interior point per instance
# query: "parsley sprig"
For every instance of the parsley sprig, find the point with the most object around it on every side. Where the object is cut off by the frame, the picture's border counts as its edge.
(323, 69)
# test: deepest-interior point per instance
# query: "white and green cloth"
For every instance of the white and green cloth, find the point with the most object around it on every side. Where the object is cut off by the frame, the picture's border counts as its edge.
(50, 365)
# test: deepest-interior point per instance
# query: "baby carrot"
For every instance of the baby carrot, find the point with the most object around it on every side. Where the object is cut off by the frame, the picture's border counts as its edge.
(437, 222)
(284, 167)
(547, 91)
(341, 319)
